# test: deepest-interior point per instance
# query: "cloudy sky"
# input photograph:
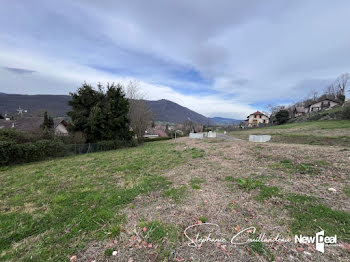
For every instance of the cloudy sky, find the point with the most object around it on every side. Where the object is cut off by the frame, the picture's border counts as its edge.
(219, 58)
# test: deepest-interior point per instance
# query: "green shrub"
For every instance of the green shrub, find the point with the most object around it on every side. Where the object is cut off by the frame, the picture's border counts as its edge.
(282, 117)
(109, 145)
(11, 135)
(6, 152)
(12, 153)
(346, 112)
(147, 139)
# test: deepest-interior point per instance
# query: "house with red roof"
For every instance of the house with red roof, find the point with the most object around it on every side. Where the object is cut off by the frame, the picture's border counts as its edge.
(153, 132)
(256, 119)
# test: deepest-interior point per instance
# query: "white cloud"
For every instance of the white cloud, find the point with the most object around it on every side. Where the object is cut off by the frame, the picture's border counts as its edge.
(253, 51)
(63, 77)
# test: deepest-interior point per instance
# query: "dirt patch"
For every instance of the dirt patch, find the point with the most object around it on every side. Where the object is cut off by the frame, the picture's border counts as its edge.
(219, 200)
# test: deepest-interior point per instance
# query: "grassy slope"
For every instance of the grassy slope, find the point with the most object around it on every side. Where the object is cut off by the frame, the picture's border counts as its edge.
(323, 132)
(53, 208)
(313, 125)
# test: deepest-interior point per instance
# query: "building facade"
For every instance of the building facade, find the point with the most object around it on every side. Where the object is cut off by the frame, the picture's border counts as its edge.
(321, 105)
(256, 119)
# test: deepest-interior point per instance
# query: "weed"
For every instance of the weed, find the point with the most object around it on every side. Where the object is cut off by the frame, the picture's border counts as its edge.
(265, 191)
(108, 252)
(177, 194)
(194, 182)
(260, 249)
(346, 191)
(322, 163)
(230, 178)
(196, 153)
(287, 165)
(203, 219)
(115, 231)
(311, 216)
(156, 231)
(248, 184)
(306, 168)
(284, 165)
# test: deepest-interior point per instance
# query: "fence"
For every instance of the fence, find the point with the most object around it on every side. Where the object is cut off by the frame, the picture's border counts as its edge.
(13, 153)
(77, 149)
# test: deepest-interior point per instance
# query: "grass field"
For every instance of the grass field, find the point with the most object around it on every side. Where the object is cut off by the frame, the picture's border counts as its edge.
(53, 208)
(324, 132)
(134, 204)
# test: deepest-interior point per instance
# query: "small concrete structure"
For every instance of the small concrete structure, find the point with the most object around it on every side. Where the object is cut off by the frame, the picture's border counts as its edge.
(259, 138)
(196, 135)
(211, 134)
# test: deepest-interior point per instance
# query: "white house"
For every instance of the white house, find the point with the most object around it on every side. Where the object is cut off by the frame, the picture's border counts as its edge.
(60, 127)
(323, 104)
(257, 118)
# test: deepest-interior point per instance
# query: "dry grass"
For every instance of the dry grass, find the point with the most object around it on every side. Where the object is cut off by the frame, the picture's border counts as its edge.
(221, 201)
(325, 128)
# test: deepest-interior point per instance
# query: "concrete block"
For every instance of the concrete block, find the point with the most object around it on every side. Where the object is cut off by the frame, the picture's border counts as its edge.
(259, 138)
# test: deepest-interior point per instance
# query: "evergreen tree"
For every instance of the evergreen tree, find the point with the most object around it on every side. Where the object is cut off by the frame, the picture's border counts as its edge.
(48, 123)
(99, 114)
(282, 116)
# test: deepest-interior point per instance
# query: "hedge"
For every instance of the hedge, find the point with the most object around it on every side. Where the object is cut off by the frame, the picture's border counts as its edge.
(147, 139)
(13, 153)
(11, 135)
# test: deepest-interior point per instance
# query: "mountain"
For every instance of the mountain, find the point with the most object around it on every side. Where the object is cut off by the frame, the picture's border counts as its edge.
(168, 111)
(222, 121)
(57, 105)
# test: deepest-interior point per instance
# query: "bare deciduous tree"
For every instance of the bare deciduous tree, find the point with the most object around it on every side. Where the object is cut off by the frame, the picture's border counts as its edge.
(272, 109)
(140, 114)
(331, 91)
(189, 126)
(342, 82)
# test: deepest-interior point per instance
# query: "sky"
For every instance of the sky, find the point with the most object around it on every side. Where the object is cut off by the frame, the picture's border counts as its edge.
(219, 58)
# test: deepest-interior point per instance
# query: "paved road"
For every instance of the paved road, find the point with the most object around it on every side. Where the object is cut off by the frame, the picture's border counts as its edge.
(226, 137)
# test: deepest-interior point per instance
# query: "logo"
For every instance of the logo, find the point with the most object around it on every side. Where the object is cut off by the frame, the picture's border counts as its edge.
(319, 239)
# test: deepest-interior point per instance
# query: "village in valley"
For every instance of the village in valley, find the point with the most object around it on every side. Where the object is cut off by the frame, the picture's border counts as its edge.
(333, 97)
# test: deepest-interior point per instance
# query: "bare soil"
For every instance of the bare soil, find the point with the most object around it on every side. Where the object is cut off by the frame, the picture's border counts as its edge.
(233, 209)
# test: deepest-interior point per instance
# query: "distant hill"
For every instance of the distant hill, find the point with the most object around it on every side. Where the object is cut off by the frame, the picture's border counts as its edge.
(168, 111)
(55, 104)
(221, 121)
(163, 110)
